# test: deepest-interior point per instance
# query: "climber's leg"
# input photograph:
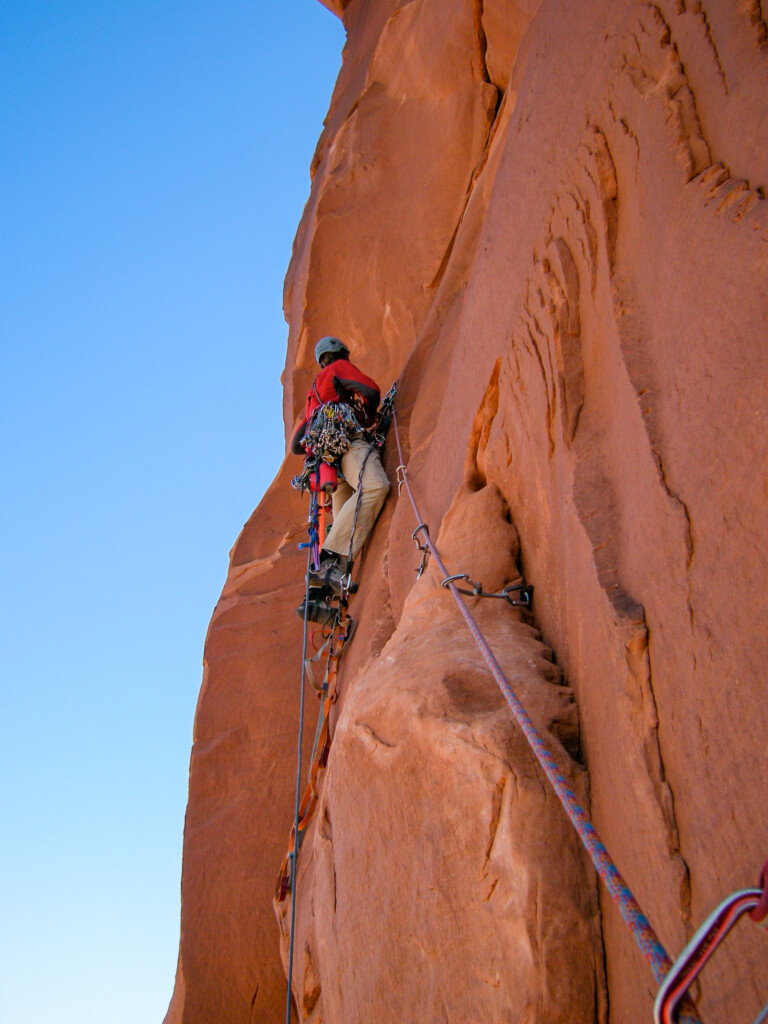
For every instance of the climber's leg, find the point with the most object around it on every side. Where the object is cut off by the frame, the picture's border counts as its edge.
(374, 486)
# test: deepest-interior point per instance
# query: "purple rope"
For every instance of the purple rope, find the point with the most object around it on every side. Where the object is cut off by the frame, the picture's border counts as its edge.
(638, 923)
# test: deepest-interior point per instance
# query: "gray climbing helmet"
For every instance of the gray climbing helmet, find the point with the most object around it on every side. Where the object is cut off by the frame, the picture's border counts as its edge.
(332, 345)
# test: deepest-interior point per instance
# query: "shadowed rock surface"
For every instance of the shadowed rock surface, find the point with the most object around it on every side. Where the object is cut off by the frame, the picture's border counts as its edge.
(548, 221)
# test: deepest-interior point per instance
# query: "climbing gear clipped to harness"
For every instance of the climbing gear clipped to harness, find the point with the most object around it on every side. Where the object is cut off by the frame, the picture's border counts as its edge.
(330, 431)
(327, 439)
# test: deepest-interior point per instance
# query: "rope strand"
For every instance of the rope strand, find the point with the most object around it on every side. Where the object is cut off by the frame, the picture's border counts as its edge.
(638, 923)
(295, 851)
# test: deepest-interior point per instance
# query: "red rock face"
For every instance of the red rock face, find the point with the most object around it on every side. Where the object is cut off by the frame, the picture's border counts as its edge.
(547, 220)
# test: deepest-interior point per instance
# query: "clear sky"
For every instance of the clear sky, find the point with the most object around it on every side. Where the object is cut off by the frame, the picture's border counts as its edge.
(154, 162)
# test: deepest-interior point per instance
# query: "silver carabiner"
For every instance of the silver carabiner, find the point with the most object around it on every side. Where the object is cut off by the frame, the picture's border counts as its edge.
(691, 961)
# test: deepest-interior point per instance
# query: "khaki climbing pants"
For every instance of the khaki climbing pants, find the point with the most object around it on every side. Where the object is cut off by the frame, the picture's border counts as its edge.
(375, 488)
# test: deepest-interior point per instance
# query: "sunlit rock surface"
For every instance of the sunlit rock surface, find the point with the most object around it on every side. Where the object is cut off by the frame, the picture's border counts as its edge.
(548, 221)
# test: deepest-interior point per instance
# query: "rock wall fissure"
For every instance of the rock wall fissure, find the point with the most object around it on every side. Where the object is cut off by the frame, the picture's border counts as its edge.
(699, 11)
(667, 808)
(436, 281)
(253, 999)
(482, 41)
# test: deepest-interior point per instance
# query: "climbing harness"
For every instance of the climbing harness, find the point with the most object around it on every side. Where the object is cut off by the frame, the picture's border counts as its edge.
(682, 1010)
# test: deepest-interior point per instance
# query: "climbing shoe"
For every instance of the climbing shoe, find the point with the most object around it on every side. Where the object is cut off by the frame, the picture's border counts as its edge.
(319, 607)
(329, 574)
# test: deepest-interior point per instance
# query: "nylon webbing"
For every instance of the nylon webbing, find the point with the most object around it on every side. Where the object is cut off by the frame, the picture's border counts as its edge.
(637, 922)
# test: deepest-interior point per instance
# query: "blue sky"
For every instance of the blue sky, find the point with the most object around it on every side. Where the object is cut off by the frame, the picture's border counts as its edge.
(153, 169)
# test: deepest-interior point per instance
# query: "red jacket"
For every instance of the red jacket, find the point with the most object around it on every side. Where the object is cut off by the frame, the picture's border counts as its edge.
(338, 382)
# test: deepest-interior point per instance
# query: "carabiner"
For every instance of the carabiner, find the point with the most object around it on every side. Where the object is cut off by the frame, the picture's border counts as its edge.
(691, 961)
(423, 548)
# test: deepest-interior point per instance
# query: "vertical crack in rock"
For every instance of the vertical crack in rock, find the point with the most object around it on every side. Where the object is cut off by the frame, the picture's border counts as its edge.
(493, 121)
(637, 654)
(311, 985)
(563, 309)
(476, 173)
(601, 170)
(482, 41)
(637, 650)
(325, 835)
(251, 1017)
(496, 804)
(700, 13)
(529, 324)
(689, 546)
(474, 465)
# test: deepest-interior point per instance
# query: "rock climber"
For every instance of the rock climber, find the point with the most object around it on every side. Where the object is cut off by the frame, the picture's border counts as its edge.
(360, 495)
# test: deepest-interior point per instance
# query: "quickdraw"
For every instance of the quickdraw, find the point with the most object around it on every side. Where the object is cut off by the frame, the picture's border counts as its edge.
(524, 590)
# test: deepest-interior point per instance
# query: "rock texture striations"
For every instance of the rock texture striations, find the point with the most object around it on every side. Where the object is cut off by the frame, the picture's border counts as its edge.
(547, 220)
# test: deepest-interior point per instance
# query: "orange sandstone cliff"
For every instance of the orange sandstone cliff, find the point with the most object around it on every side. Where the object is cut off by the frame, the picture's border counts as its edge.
(547, 220)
